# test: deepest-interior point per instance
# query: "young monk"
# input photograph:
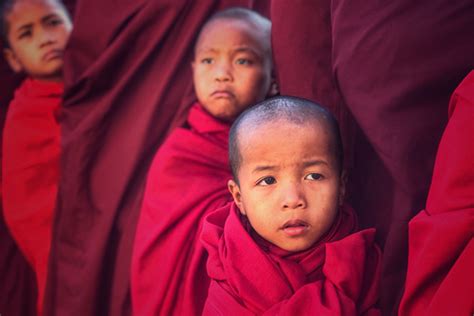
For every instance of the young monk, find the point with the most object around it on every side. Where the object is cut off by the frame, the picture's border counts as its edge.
(440, 277)
(288, 245)
(34, 35)
(232, 70)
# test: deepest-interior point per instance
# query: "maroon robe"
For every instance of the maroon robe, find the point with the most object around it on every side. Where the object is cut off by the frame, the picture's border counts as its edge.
(187, 179)
(18, 284)
(339, 275)
(440, 278)
(30, 170)
(394, 66)
(127, 83)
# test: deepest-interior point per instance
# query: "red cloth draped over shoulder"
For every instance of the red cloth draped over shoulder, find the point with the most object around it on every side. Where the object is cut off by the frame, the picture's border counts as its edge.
(392, 67)
(31, 147)
(127, 86)
(440, 278)
(337, 276)
(187, 179)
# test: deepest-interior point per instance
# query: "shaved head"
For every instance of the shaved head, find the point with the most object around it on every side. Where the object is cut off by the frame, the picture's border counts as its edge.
(261, 24)
(297, 111)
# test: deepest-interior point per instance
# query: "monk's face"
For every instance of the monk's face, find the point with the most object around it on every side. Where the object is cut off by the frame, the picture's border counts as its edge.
(290, 185)
(232, 67)
(37, 33)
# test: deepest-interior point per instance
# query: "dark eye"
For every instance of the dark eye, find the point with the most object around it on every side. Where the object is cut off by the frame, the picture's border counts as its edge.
(267, 181)
(314, 176)
(55, 22)
(243, 61)
(206, 61)
(25, 34)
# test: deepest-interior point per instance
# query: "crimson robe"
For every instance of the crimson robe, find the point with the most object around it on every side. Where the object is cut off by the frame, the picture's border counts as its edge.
(187, 179)
(30, 167)
(387, 71)
(339, 275)
(440, 277)
(127, 84)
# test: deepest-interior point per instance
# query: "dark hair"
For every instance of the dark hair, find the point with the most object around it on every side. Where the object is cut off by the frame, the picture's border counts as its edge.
(6, 7)
(292, 109)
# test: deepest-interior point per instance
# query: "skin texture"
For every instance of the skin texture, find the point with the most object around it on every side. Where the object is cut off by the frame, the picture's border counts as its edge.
(232, 68)
(38, 32)
(290, 185)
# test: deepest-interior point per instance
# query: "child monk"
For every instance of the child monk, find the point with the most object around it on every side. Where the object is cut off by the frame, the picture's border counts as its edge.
(232, 70)
(34, 35)
(288, 245)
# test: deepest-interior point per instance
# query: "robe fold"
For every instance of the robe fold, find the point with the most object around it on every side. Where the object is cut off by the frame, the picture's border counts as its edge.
(440, 277)
(339, 275)
(187, 179)
(126, 87)
(30, 166)
(387, 71)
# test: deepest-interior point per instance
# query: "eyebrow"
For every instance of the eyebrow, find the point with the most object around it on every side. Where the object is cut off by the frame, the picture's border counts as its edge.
(263, 168)
(306, 164)
(49, 16)
(314, 163)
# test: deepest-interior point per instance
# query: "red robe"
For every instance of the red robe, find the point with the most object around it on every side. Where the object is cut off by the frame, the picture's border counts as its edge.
(31, 147)
(126, 88)
(440, 278)
(337, 276)
(187, 179)
(387, 71)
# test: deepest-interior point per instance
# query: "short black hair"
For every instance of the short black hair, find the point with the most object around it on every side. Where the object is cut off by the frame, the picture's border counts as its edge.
(6, 7)
(291, 109)
(244, 14)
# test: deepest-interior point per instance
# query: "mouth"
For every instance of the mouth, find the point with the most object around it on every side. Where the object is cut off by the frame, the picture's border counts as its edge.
(53, 54)
(295, 227)
(222, 94)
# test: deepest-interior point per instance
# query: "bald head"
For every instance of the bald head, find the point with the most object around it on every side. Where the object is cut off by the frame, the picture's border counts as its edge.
(259, 23)
(296, 111)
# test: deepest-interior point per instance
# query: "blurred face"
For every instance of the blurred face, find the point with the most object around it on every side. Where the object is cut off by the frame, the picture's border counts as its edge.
(232, 67)
(38, 32)
(290, 185)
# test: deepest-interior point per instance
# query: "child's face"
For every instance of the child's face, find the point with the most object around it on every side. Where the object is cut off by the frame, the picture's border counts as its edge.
(38, 32)
(232, 68)
(290, 185)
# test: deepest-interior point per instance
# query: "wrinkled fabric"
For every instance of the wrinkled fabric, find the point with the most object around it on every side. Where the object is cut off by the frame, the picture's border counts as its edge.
(128, 83)
(30, 167)
(17, 279)
(339, 275)
(394, 66)
(187, 179)
(440, 277)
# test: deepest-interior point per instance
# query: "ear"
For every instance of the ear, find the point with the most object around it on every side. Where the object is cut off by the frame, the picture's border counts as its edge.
(342, 187)
(273, 90)
(12, 60)
(235, 191)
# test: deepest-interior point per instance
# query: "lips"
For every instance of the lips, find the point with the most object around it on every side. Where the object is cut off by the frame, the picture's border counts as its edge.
(295, 227)
(222, 94)
(53, 54)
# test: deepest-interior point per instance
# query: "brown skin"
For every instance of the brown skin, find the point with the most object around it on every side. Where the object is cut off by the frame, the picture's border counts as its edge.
(232, 68)
(290, 187)
(38, 32)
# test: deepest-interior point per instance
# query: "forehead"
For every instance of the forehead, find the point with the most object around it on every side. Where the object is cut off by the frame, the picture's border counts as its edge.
(228, 33)
(282, 142)
(28, 11)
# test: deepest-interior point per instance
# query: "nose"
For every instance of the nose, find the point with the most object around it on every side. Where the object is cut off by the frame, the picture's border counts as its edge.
(222, 72)
(293, 196)
(46, 37)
